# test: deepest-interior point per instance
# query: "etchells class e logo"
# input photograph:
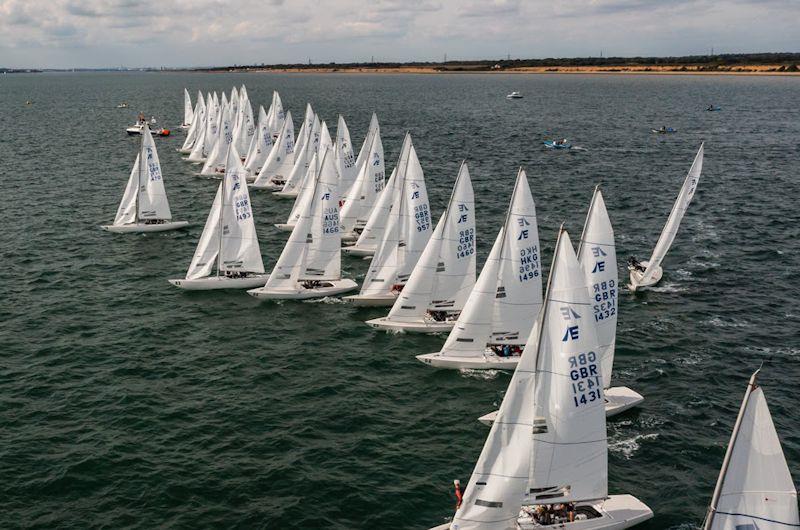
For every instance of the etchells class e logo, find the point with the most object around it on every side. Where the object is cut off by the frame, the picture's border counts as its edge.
(524, 233)
(572, 332)
(464, 215)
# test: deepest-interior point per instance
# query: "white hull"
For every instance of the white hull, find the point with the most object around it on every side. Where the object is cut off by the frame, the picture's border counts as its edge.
(426, 326)
(336, 287)
(286, 194)
(349, 237)
(220, 282)
(141, 227)
(372, 300)
(618, 400)
(364, 251)
(284, 227)
(268, 186)
(185, 125)
(617, 512)
(636, 278)
(487, 362)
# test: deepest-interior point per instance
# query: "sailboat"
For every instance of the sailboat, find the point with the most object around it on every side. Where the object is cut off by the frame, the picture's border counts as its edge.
(215, 163)
(497, 319)
(144, 206)
(545, 461)
(229, 238)
(310, 265)
(598, 258)
(444, 276)
(280, 160)
(364, 193)
(301, 192)
(345, 158)
(406, 233)
(188, 113)
(259, 148)
(311, 144)
(755, 490)
(276, 115)
(198, 122)
(648, 273)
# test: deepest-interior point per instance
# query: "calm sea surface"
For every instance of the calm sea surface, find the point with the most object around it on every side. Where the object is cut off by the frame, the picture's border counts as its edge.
(127, 403)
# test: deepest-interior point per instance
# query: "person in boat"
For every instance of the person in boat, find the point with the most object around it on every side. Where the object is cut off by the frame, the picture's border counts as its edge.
(635, 265)
(152, 120)
(663, 128)
(438, 316)
(396, 288)
(140, 120)
(311, 284)
(154, 221)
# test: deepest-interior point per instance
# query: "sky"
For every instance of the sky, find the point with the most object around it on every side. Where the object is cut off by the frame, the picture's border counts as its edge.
(183, 33)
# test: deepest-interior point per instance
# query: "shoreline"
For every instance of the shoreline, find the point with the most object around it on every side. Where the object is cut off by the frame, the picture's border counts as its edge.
(755, 70)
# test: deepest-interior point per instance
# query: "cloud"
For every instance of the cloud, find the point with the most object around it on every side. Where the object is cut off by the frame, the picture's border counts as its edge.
(218, 32)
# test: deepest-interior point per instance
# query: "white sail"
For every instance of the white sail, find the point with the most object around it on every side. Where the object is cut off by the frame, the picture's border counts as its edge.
(306, 192)
(305, 127)
(207, 251)
(373, 232)
(570, 450)
(188, 113)
(245, 128)
(153, 203)
(444, 275)
(302, 159)
(280, 160)
(323, 140)
(363, 153)
(260, 146)
(126, 212)
(240, 249)
(507, 297)
(345, 159)
(322, 259)
(598, 257)
(199, 147)
(755, 489)
(276, 114)
(198, 116)
(675, 216)
(366, 189)
(499, 482)
(216, 160)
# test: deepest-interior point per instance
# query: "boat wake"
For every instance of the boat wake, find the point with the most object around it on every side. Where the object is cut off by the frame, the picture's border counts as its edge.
(483, 375)
(629, 446)
(326, 300)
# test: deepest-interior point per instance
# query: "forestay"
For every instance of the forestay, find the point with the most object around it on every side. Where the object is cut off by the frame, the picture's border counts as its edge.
(755, 489)
(444, 275)
(598, 257)
(507, 297)
(675, 216)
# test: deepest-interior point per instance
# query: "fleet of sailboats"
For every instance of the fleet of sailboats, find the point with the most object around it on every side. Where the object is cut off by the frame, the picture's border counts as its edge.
(545, 460)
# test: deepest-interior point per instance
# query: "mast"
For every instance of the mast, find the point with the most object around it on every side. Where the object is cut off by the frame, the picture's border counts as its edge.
(139, 175)
(586, 221)
(712, 509)
(508, 216)
(221, 211)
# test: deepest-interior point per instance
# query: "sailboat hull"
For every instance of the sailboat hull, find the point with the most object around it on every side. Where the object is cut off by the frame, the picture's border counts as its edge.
(210, 283)
(269, 186)
(285, 227)
(363, 251)
(617, 512)
(349, 236)
(372, 300)
(287, 194)
(636, 278)
(618, 400)
(486, 362)
(141, 227)
(422, 326)
(333, 288)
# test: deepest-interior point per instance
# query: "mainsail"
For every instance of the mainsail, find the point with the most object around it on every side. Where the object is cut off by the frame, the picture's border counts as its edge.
(366, 189)
(675, 216)
(598, 257)
(755, 489)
